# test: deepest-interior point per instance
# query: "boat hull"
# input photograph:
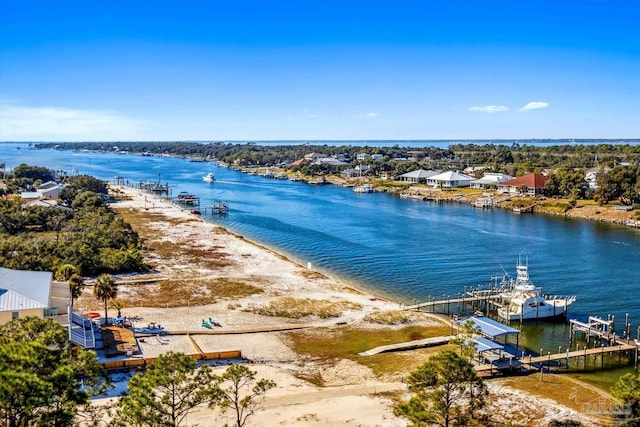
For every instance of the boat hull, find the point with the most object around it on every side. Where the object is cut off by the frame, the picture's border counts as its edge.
(546, 313)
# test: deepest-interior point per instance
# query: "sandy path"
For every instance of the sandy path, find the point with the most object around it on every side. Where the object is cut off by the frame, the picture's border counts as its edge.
(352, 394)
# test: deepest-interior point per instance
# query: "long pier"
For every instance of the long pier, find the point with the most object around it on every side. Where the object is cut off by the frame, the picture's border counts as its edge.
(534, 363)
(471, 298)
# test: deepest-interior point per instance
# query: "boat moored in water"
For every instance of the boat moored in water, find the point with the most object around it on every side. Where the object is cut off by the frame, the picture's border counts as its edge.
(366, 188)
(523, 300)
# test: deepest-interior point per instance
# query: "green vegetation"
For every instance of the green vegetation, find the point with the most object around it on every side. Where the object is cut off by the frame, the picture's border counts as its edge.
(295, 308)
(85, 234)
(627, 391)
(173, 386)
(43, 377)
(243, 402)
(394, 317)
(567, 163)
(447, 391)
(167, 392)
(104, 289)
(332, 344)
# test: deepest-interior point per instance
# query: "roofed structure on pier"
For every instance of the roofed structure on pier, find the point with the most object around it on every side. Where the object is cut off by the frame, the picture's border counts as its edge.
(489, 327)
(484, 344)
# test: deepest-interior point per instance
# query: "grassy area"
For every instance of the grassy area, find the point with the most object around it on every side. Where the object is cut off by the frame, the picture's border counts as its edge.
(187, 292)
(394, 317)
(294, 308)
(560, 388)
(145, 224)
(331, 344)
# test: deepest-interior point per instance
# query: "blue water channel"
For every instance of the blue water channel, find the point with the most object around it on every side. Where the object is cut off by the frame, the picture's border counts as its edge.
(401, 249)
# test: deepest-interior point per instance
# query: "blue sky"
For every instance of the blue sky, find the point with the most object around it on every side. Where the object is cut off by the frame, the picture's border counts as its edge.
(310, 70)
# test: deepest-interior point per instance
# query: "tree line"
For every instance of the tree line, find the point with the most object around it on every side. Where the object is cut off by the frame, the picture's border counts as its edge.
(82, 230)
(567, 162)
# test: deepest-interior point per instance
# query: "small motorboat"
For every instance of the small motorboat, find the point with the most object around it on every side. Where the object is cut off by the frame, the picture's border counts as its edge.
(196, 212)
(208, 177)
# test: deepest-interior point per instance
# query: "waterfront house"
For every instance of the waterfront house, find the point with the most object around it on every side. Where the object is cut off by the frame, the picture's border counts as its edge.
(330, 161)
(49, 189)
(31, 293)
(419, 176)
(450, 179)
(533, 182)
(490, 180)
(355, 172)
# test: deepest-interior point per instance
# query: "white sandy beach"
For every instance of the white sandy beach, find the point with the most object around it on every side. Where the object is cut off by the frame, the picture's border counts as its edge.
(352, 395)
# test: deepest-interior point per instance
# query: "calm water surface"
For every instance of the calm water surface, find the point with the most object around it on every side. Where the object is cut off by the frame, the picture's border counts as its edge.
(399, 248)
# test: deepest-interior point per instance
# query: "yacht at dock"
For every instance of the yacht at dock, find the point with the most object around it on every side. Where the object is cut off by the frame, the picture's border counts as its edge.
(523, 300)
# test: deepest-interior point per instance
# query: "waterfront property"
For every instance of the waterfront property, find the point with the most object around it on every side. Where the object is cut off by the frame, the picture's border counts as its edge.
(532, 182)
(450, 179)
(490, 180)
(31, 293)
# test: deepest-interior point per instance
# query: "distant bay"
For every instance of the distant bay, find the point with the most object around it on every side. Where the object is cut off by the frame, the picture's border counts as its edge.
(400, 249)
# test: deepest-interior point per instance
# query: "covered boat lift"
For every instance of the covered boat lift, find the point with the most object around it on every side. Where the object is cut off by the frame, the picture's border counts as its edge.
(488, 349)
(492, 329)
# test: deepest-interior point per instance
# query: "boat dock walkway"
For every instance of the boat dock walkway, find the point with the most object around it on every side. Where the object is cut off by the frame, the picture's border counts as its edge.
(409, 345)
(471, 297)
(534, 363)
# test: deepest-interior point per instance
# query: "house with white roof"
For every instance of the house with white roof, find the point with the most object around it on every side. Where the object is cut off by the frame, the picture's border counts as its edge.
(328, 161)
(450, 179)
(490, 180)
(417, 176)
(49, 189)
(31, 293)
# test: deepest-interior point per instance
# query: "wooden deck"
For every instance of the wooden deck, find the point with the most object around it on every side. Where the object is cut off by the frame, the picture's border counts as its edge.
(118, 341)
(462, 300)
(409, 345)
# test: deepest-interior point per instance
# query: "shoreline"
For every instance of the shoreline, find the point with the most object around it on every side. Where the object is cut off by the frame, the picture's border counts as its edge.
(347, 384)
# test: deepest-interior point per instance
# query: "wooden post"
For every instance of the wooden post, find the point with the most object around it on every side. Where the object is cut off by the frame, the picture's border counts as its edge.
(541, 365)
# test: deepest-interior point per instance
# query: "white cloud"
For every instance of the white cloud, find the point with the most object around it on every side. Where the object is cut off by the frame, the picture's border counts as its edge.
(489, 108)
(535, 105)
(21, 123)
(370, 115)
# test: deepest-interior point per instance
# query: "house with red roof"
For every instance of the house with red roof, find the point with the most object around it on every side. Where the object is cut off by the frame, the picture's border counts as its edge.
(534, 182)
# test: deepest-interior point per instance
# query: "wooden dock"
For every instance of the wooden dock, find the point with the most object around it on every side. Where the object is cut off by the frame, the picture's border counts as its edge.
(470, 298)
(535, 363)
(409, 345)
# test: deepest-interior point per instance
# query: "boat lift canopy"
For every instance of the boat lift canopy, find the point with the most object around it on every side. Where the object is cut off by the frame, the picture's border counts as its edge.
(489, 327)
(484, 344)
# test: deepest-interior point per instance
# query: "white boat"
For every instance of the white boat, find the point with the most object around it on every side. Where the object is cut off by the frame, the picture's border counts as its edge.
(366, 188)
(208, 177)
(523, 300)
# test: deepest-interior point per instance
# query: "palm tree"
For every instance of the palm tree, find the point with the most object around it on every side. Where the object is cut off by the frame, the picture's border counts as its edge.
(104, 289)
(65, 271)
(118, 304)
(76, 286)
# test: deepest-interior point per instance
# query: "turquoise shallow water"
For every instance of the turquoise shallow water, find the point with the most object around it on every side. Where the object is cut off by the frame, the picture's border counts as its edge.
(402, 249)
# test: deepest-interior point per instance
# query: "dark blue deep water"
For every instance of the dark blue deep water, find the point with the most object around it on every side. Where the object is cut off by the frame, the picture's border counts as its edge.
(401, 249)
